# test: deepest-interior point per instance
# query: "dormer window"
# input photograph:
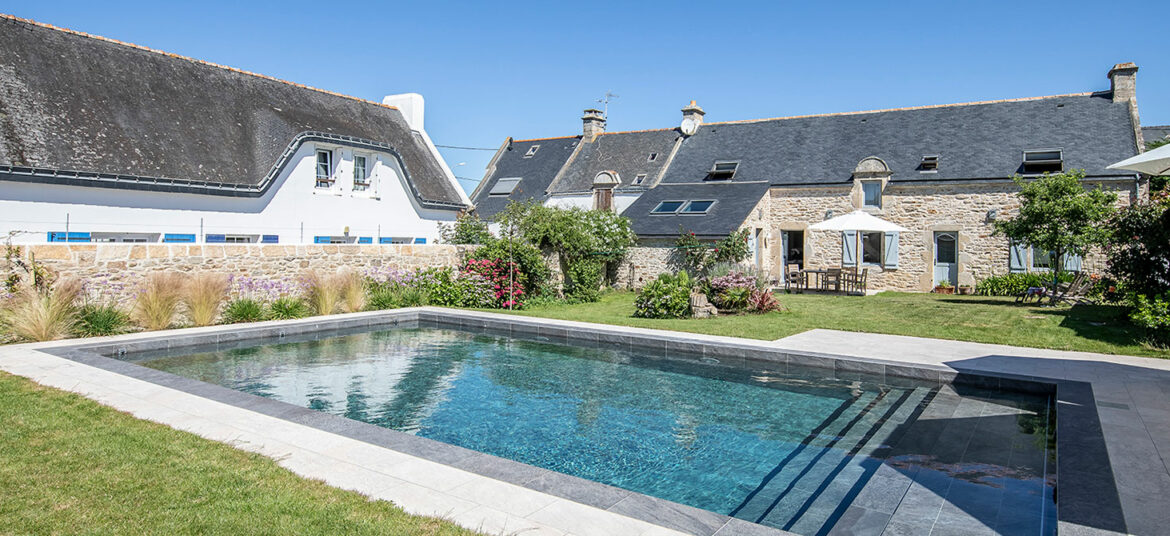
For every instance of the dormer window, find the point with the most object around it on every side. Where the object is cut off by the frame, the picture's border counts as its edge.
(532, 151)
(639, 178)
(871, 194)
(361, 175)
(1043, 161)
(929, 163)
(652, 157)
(324, 168)
(505, 186)
(722, 170)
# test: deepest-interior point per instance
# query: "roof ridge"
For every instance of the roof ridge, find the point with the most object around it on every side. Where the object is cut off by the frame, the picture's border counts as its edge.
(13, 18)
(637, 131)
(545, 139)
(904, 109)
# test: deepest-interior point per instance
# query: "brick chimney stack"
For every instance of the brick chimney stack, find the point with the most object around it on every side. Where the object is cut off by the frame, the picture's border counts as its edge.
(593, 123)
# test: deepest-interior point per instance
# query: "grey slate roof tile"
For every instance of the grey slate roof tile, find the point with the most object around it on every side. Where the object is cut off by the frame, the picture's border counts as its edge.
(734, 202)
(81, 103)
(625, 152)
(536, 172)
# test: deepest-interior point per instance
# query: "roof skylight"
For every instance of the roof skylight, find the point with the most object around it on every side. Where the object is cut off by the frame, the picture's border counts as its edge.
(505, 186)
(929, 163)
(695, 207)
(532, 151)
(1043, 161)
(722, 170)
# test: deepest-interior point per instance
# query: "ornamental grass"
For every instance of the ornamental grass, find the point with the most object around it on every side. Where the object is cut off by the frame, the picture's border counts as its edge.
(203, 295)
(158, 301)
(43, 315)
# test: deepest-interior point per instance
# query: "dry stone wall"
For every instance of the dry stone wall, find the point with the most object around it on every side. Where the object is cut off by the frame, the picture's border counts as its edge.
(124, 266)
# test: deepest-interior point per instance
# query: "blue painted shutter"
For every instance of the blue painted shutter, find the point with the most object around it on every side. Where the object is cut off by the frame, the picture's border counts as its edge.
(1017, 257)
(890, 251)
(1071, 262)
(848, 248)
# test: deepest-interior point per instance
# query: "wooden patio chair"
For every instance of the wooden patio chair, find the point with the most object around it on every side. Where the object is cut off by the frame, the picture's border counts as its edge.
(794, 278)
(831, 280)
(1076, 292)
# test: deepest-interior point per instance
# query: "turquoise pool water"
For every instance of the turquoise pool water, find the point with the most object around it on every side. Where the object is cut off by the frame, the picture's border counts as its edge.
(790, 449)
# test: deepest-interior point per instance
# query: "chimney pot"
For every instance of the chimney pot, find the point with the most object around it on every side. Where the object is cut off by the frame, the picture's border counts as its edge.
(593, 123)
(1123, 81)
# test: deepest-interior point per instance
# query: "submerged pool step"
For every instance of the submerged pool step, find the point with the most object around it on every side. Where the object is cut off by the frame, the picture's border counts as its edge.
(820, 477)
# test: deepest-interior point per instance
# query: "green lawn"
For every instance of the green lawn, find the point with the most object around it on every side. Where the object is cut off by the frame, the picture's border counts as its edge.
(71, 466)
(968, 318)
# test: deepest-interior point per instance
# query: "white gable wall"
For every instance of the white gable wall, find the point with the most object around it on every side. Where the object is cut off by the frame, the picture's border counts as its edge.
(387, 209)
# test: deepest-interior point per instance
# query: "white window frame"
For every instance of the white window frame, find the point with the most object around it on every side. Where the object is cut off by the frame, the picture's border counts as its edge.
(864, 201)
(656, 212)
(1025, 161)
(532, 151)
(715, 170)
(324, 182)
(639, 178)
(364, 183)
(652, 157)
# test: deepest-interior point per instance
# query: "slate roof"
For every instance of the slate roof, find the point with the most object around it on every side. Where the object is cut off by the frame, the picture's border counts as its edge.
(973, 141)
(734, 203)
(628, 153)
(1155, 133)
(81, 109)
(535, 172)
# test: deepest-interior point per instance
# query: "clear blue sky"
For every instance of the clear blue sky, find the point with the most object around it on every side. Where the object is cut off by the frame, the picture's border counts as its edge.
(527, 69)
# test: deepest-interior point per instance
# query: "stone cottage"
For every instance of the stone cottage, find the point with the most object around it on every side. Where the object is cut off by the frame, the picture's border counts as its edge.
(944, 172)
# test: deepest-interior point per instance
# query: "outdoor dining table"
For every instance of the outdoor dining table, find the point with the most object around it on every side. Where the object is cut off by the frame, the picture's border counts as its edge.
(817, 273)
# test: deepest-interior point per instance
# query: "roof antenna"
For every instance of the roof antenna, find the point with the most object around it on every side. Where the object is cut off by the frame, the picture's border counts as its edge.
(604, 101)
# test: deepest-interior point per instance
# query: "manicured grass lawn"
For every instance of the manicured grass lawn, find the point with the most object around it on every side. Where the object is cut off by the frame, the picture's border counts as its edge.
(1101, 329)
(71, 466)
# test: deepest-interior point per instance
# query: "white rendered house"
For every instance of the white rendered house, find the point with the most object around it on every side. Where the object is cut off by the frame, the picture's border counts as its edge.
(109, 142)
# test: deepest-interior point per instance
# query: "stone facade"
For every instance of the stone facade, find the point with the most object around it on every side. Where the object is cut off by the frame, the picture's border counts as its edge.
(124, 266)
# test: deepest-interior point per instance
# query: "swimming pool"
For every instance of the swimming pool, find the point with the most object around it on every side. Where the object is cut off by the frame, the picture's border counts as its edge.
(791, 448)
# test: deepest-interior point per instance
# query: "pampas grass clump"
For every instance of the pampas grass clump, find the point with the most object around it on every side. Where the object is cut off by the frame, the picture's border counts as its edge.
(158, 303)
(43, 315)
(322, 293)
(203, 295)
(353, 291)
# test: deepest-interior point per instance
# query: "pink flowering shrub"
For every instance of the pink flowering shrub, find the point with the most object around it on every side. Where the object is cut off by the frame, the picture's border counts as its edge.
(732, 291)
(502, 276)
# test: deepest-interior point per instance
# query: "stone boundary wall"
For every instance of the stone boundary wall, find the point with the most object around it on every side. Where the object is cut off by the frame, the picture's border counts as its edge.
(124, 266)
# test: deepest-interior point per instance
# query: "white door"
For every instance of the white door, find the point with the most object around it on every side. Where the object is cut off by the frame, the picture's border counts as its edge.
(946, 258)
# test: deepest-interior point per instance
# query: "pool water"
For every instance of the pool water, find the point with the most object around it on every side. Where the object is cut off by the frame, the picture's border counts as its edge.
(791, 449)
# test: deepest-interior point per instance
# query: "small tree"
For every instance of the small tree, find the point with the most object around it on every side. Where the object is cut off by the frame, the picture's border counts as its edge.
(1058, 214)
(467, 229)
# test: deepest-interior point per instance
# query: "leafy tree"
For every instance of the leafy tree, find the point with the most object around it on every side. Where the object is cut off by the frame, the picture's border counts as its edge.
(1139, 248)
(1058, 214)
(467, 229)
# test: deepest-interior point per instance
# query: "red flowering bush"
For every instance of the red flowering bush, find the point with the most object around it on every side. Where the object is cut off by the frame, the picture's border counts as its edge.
(504, 278)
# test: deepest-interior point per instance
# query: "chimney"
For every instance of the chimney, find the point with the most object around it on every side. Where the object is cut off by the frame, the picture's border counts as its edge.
(593, 123)
(1123, 79)
(693, 110)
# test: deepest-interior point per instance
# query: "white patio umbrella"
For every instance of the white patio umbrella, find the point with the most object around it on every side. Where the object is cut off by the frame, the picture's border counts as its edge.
(1152, 162)
(861, 221)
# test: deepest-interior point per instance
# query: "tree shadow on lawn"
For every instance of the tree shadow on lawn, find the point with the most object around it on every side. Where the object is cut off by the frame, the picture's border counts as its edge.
(1105, 323)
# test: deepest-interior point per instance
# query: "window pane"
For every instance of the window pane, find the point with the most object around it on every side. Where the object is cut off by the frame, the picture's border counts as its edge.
(324, 164)
(1041, 258)
(668, 207)
(1042, 155)
(359, 168)
(698, 206)
(871, 248)
(504, 186)
(873, 193)
(945, 251)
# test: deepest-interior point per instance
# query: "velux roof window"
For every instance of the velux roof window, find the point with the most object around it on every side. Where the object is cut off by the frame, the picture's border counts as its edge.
(1044, 161)
(697, 207)
(504, 186)
(532, 151)
(929, 163)
(722, 170)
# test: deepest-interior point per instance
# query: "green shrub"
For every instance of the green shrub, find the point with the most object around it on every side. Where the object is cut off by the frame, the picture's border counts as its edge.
(534, 273)
(95, 320)
(382, 297)
(288, 308)
(440, 286)
(1016, 283)
(243, 310)
(1153, 315)
(669, 296)
(467, 229)
(583, 280)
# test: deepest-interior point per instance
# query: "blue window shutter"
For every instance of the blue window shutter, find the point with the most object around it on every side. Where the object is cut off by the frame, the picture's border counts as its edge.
(420, 241)
(1017, 257)
(385, 240)
(321, 239)
(1071, 262)
(890, 250)
(848, 248)
(365, 240)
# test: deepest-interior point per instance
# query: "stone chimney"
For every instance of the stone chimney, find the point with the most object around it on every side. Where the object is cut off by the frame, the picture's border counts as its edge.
(593, 123)
(1123, 79)
(693, 110)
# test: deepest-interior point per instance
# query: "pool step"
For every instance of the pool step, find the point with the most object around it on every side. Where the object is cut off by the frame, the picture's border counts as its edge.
(832, 465)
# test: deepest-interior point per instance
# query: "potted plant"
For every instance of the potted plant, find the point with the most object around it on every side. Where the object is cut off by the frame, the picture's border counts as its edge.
(944, 287)
(966, 290)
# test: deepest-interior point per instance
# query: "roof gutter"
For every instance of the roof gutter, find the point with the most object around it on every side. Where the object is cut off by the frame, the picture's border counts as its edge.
(169, 185)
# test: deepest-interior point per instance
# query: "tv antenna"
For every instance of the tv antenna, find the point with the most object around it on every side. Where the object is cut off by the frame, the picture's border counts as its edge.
(604, 101)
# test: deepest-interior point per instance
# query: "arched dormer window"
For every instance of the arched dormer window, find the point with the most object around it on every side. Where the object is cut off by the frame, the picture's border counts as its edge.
(870, 177)
(603, 185)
